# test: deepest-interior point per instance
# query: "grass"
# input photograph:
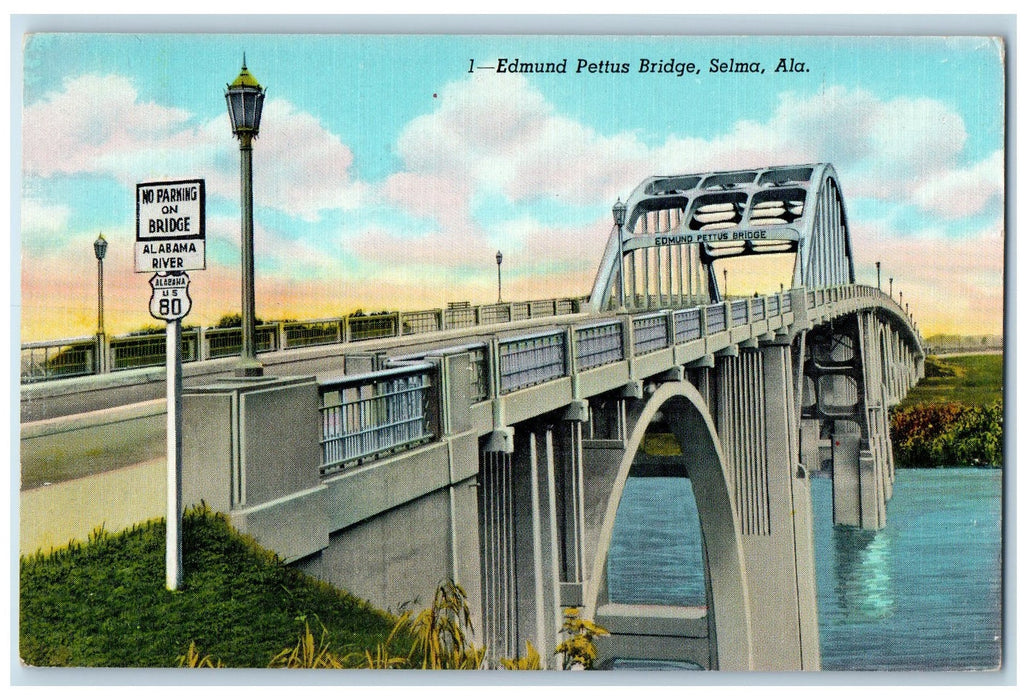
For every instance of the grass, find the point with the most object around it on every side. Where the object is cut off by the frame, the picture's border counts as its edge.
(976, 380)
(104, 604)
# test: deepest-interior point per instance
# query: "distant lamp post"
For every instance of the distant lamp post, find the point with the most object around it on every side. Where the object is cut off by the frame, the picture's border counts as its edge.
(878, 263)
(890, 280)
(620, 211)
(499, 274)
(100, 250)
(725, 286)
(245, 98)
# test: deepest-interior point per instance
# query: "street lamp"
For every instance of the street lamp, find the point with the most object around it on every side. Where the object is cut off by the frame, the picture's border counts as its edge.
(499, 274)
(245, 98)
(890, 280)
(878, 274)
(724, 295)
(100, 250)
(620, 211)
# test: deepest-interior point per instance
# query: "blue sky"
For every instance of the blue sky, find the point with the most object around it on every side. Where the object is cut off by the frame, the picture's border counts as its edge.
(386, 174)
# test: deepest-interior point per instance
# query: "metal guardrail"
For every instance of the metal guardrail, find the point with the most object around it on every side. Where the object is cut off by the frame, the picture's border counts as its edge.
(599, 344)
(371, 415)
(650, 332)
(131, 352)
(374, 414)
(687, 325)
(227, 342)
(531, 360)
(716, 318)
(739, 312)
(757, 309)
(308, 333)
(73, 357)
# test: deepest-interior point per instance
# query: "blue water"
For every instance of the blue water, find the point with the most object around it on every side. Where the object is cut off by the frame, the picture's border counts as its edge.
(922, 594)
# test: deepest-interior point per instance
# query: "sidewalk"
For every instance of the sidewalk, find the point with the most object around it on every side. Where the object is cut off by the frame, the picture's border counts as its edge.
(52, 515)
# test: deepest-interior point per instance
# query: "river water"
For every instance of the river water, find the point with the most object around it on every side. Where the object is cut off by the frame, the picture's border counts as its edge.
(923, 594)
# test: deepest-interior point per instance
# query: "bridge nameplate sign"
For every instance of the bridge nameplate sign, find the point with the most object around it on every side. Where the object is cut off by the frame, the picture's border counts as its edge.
(170, 226)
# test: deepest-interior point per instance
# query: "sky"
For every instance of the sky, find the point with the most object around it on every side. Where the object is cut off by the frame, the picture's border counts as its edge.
(387, 172)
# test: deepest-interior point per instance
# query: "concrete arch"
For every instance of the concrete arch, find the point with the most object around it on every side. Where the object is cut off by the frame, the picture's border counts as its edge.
(689, 418)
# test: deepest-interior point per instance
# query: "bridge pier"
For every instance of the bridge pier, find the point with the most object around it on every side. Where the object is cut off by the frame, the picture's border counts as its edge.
(850, 395)
(520, 546)
(759, 434)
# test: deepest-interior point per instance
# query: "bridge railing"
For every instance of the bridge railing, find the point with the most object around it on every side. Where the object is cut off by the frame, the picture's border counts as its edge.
(650, 332)
(532, 359)
(739, 312)
(148, 350)
(370, 415)
(73, 357)
(687, 325)
(599, 344)
(716, 318)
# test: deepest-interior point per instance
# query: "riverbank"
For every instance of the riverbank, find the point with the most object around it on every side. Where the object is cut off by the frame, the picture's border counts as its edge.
(954, 416)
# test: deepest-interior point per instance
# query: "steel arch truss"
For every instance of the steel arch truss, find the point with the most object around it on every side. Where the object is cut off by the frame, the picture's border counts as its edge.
(676, 226)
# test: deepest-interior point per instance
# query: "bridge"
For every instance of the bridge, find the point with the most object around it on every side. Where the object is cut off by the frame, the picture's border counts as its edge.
(496, 454)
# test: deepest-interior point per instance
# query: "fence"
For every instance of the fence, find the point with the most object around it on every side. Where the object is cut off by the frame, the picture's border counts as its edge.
(531, 360)
(63, 358)
(374, 414)
(371, 415)
(599, 345)
(650, 332)
(75, 357)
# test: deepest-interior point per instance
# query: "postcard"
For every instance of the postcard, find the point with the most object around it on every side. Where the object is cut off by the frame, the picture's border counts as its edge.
(604, 352)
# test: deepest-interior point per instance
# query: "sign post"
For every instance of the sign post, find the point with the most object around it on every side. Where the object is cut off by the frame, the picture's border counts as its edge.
(170, 239)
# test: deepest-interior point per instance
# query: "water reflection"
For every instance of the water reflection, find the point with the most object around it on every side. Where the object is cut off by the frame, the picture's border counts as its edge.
(863, 560)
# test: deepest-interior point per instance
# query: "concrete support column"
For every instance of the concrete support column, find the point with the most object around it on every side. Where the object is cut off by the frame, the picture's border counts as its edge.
(536, 547)
(602, 450)
(570, 513)
(498, 580)
(759, 435)
(791, 503)
(520, 548)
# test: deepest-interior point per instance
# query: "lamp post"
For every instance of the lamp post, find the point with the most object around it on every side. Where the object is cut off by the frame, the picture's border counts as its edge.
(724, 295)
(100, 250)
(878, 263)
(245, 98)
(890, 280)
(620, 211)
(499, 274)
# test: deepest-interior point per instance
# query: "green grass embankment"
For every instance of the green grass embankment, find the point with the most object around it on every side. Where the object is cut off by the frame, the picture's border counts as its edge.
(972, 380)
(953, 417)
(104, 603)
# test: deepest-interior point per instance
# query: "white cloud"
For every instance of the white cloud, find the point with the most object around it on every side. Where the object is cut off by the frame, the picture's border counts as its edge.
(961, 192)
(93, 117)
(43, 223)
(97, 125)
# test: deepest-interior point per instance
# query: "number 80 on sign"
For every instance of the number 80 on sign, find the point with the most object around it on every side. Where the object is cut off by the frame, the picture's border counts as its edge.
(170, 300)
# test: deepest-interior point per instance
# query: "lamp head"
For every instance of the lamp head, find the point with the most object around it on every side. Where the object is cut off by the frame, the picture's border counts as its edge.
(100, 247)
(245, 98)
(620, 210)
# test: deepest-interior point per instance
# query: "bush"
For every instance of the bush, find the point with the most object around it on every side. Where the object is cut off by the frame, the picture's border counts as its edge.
(947, 434)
